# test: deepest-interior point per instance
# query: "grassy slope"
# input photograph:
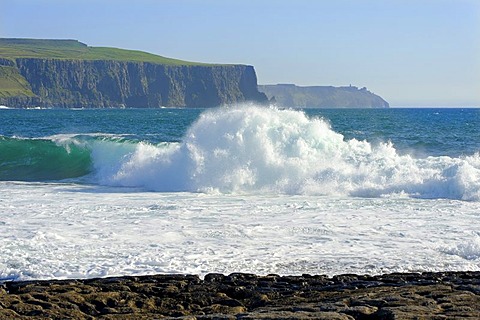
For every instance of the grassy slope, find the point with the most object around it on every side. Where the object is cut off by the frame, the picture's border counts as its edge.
(74, 50)
(13, 84)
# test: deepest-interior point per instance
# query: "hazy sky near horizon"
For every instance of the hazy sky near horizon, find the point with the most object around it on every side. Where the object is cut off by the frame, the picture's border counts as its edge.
(410, 52)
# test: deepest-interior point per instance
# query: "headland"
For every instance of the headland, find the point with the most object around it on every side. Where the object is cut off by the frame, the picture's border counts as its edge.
(70, 74)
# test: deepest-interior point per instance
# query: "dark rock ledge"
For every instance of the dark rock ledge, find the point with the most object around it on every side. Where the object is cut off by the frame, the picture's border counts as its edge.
(445, 295)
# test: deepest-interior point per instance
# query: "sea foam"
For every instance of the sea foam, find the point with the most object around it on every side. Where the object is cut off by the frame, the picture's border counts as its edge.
(256, 149)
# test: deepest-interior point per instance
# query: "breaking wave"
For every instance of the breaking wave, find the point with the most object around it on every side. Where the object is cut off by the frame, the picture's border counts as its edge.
(248, 149)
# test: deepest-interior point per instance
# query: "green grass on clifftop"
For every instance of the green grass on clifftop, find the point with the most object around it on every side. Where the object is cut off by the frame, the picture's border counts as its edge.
(75, 50)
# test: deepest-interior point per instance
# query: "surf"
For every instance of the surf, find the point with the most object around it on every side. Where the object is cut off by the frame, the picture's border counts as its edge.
(256, 149)
(54, 158)
(245, 149)
(41, 159)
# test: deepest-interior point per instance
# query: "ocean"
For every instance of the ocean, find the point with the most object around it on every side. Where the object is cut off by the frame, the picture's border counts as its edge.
(95, 193)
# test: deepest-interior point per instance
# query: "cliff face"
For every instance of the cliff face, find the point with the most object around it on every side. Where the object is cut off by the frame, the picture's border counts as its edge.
(65, 83)
(292, 96)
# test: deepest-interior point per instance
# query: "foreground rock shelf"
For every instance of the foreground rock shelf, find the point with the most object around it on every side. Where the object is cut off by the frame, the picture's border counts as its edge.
(443, 295)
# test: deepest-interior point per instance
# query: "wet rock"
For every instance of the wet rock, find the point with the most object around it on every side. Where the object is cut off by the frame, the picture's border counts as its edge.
(246, 296)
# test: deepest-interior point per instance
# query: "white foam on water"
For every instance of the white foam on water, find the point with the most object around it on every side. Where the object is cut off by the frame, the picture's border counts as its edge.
(248, 149)
(81, 231)
(249, 189)
(469, 249)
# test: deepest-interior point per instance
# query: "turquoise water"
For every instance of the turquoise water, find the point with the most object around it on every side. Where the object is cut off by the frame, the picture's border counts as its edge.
(119, 147)
(430, 131)
(93, 193)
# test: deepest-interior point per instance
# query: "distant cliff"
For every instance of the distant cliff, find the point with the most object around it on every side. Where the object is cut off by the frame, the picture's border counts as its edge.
(292, 96)
(69, 74)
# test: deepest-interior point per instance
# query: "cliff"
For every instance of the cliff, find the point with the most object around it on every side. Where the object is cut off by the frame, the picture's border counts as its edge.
(69, 74)
(292, 96)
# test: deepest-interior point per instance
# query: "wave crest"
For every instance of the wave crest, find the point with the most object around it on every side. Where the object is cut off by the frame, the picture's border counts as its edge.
(42, 159)
(255, 149)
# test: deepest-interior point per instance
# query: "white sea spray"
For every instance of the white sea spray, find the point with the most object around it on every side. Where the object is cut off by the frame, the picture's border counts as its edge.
(256, 149)
(247, 189)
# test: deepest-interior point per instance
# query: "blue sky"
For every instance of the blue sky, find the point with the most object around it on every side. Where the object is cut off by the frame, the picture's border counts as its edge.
(411, 52)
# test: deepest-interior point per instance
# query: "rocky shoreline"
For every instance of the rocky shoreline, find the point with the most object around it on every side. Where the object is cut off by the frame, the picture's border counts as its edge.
(444, 295)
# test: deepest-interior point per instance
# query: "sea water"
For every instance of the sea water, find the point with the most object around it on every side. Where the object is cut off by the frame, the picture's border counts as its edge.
(93, 193)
